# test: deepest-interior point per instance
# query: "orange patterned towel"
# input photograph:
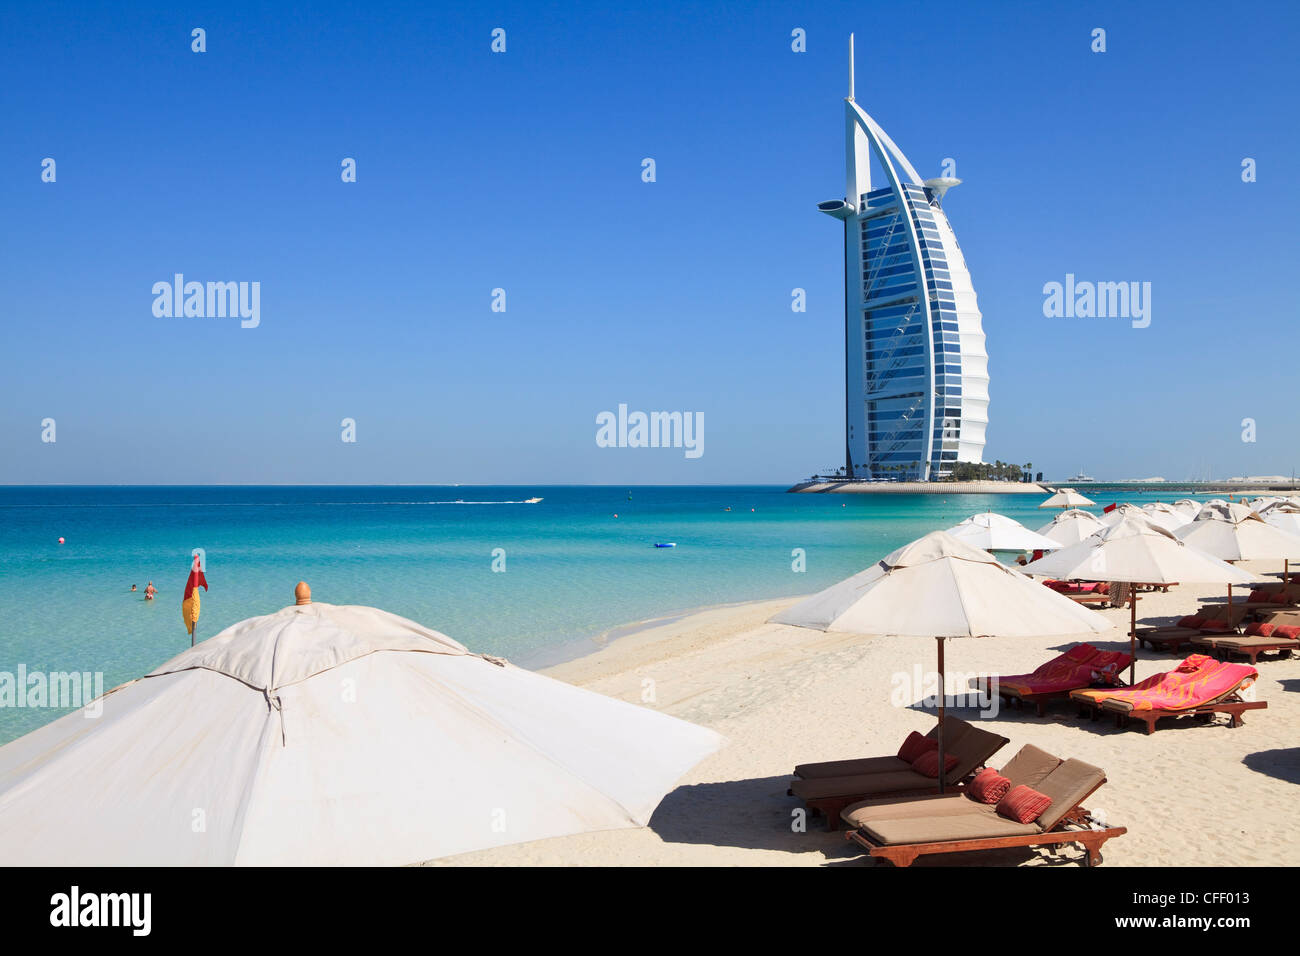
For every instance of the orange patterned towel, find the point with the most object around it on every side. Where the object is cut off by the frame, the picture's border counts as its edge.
(1196, 681)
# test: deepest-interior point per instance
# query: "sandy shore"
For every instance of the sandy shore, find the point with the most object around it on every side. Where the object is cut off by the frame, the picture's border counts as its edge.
(1190, 794)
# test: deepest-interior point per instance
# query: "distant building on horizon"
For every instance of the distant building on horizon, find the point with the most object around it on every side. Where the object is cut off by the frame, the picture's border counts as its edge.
(916, 369)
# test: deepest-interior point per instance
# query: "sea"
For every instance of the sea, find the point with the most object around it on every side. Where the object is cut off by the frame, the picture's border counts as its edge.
(535, 583)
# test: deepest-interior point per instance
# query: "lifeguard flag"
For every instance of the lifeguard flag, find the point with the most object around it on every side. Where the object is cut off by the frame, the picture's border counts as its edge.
(190, 603)
(1106, 510)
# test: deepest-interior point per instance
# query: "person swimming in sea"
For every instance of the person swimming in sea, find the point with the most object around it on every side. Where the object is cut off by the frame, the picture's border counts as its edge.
(133, 587)
(150, 591)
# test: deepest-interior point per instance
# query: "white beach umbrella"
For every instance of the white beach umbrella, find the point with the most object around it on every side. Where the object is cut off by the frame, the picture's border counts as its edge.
(1067, 498)
(1247, 538)
(1187, 506)
(1285, 518)
(1166, 515)
(1071, 527)
(994, 532)
(941, 587)
(327, 735)
(1136, 550)
(1160, 520)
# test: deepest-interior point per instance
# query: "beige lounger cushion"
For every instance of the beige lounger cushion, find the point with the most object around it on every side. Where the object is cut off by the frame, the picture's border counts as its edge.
(1030, 767)
(849, 768)
(1069, 783)
(972, 746)
(907, 808)
(955, 826)
(863, 783)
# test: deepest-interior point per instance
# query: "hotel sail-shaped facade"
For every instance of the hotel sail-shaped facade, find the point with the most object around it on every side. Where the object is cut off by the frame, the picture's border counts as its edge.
(916, 369)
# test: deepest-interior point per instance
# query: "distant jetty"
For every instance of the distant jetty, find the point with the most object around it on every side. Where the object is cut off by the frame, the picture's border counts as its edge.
(846, 487)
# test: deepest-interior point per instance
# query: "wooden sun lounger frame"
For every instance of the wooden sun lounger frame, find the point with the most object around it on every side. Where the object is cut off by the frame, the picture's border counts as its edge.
(1230, 704)
(1040, 701)
(904, 854)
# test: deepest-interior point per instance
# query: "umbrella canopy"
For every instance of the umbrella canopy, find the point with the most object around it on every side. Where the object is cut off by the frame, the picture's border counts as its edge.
(1187, 506)
(1285, 517)
(1067, 498)
(1159, 519)
(1250, 538)
(1137, 550)
(1224, 511)
(939, 586)
(994, 532)
(1166, 515)
(1071, 527)
(325, 735)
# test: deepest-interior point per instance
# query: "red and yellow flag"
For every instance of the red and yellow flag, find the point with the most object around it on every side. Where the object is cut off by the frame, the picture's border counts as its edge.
(190, 603)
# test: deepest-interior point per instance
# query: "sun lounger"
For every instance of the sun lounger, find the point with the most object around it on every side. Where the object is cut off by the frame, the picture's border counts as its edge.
(891, 776)
(1199, 686)
(1209, 621)
(902, 830)
(1075, 669)
(1260, 638)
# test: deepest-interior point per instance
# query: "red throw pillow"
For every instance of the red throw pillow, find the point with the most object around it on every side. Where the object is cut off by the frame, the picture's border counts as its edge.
(1023, 804)
(988, 786)
(928, 763)
(915, 745)
(1191, 620)
(1259, 597)
(1216, 627)
(1259, 630)
(1291, 631)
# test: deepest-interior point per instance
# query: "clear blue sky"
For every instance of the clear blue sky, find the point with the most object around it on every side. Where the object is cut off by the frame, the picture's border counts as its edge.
(522, 171)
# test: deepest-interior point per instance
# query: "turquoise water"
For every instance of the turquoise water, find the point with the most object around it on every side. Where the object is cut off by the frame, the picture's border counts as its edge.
(572, 569)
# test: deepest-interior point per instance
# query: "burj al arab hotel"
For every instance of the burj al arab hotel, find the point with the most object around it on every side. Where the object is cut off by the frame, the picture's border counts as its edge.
(916, 370)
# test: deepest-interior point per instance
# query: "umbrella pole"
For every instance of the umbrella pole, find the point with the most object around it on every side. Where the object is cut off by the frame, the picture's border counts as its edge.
(942, 697)
(1132, 634)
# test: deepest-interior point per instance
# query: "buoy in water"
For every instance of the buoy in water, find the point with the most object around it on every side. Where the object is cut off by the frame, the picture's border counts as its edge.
(60, 541)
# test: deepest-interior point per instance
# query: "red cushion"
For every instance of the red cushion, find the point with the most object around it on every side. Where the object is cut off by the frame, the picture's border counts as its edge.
(1260, 597)
(1191, 620)
(1216, 627)
(928, 763)
(1259, 630)
(1023, 804)
(1103, 588)
(988, 786)
(1288, 630)
(915, 745)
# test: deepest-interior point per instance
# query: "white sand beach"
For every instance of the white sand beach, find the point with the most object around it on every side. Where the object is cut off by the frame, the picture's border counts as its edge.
(1190, 794)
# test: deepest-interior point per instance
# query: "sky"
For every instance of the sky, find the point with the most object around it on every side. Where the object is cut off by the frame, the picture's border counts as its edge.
(523, 170)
